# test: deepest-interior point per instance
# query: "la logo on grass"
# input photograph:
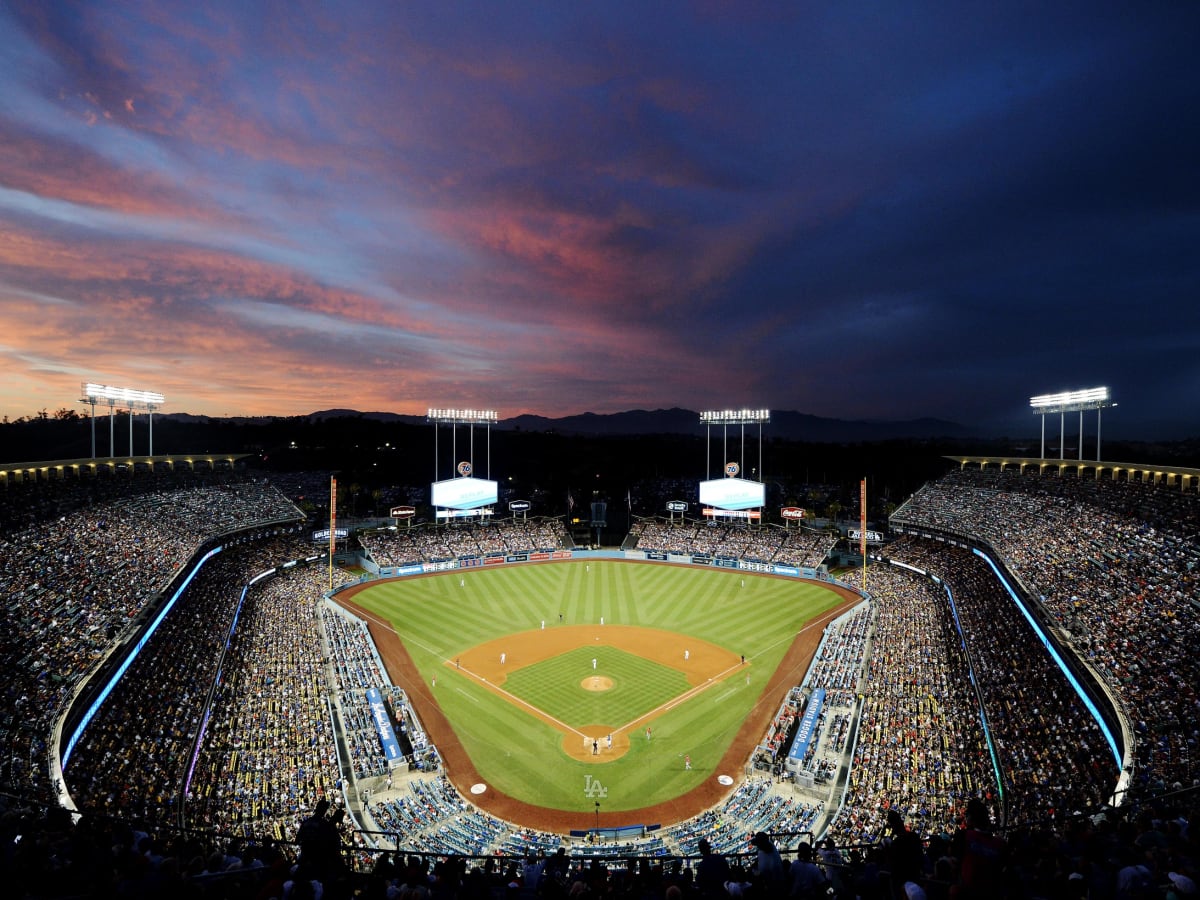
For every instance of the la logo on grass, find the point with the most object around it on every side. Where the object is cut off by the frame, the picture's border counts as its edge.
(592, 788)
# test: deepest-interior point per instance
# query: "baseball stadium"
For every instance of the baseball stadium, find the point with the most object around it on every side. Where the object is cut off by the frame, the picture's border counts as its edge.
(205, 666)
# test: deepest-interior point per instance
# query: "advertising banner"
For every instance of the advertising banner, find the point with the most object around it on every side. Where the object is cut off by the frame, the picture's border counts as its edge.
(383, 726)
(808, 727)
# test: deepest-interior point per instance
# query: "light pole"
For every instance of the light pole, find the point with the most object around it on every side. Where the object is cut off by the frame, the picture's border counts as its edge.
(132, 399)
(1071, 401)
(727, 417)
(462, 495)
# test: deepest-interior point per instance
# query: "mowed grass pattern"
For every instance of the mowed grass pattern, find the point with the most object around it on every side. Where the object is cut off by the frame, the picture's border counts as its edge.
(556, 686)
(439, 617)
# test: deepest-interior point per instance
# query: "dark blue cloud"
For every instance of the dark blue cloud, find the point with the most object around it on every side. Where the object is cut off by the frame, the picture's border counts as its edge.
(867, 209)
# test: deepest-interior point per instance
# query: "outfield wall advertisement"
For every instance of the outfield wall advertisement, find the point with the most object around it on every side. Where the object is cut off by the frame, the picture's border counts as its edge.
(700, 559)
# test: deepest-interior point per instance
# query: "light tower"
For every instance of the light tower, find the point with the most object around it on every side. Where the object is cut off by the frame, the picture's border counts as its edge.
(1071, 401)
(463, 494)
(732, 496)
(741, 418)
(454, 418)
(131, 399)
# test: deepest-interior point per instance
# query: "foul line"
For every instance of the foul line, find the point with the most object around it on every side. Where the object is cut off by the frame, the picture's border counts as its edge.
(513, 698)
(717, 679)
(680, 698)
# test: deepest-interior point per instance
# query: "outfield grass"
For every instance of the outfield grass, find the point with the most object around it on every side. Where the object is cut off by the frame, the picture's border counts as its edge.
(441, 617)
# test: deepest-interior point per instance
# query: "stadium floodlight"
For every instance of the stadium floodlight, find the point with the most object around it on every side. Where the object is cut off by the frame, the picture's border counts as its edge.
(122, 395)
(1097, 398)
(454, 418)
(463, 416)
(724, 418)
(1070, 401)
(127, 397)
(735, 417)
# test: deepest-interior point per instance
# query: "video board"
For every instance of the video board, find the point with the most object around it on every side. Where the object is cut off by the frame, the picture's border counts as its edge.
(464, 493)
(733, 493)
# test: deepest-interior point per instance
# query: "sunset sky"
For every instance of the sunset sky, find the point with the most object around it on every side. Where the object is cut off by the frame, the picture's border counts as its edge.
(862, 210)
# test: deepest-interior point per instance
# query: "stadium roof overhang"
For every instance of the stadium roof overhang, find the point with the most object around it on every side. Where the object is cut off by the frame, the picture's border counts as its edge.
(58, 468)
(1148, 472)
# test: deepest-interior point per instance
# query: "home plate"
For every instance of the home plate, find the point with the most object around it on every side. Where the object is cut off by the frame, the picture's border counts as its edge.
(481, 787)
(721, 779)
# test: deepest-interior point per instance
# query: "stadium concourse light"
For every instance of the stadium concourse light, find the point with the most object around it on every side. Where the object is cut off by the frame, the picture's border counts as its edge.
(1071, 401)
(455, 417)
(727, 417)
(127, 397)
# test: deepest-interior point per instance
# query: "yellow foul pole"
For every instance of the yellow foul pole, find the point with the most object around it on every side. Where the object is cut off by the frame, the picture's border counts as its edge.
(862, 529)
(332, 526)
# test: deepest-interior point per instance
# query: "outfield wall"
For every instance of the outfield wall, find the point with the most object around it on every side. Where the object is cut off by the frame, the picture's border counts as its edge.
(685, 559)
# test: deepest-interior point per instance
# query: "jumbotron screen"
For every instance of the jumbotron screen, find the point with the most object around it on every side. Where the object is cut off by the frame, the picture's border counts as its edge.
(733, 493)
(464, 493)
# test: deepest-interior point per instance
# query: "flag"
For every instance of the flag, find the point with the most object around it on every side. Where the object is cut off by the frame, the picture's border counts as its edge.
(628, 498)
(570, 502)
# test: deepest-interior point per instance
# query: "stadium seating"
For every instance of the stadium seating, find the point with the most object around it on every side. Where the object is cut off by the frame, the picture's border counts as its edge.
(1113, 565)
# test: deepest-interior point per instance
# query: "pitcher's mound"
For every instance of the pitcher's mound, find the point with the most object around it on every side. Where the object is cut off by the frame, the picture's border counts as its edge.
(596, 683)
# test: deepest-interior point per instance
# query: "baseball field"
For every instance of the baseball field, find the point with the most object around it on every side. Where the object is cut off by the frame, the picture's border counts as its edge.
(550, 688)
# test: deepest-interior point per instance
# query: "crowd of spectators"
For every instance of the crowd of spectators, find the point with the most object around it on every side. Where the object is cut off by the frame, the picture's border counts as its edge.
(763, 544)
(431, 816)
(756, 805)
(1116, 564)
(356, 669)
(920, 748)
(133, 756)
(74, 575)
(426, 815)
(920, 753)
(1053, 756)
(268, 753)
(836, 669)
(838, 663)
(1151, 852)
(774, 743)
(437, 543)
